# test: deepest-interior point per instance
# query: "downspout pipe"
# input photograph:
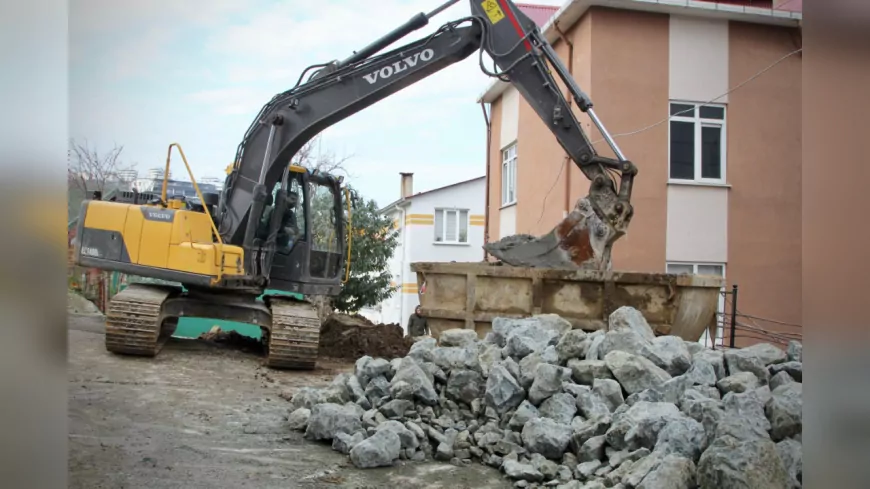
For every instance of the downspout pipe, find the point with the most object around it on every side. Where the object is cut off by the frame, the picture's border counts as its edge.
(403, 206)
(486, 202)
(569, 98)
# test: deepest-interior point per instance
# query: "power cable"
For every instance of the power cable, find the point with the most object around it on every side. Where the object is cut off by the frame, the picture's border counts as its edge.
(544, 204)
(666, 119)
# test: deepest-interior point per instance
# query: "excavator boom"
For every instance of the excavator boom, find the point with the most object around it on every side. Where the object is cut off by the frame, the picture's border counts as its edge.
(341, 88)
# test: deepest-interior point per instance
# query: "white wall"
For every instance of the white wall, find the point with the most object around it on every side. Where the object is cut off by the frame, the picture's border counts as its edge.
(468, 196)
(373, 314)
(418, 241)
(698, 50)
(510, 117)
(510, 124)
(697, 228)
(390, 308)
(697, 225)
(507, 221)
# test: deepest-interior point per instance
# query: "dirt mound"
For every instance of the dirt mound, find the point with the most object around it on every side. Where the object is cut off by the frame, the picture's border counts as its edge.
(232, 339)
(353, 336)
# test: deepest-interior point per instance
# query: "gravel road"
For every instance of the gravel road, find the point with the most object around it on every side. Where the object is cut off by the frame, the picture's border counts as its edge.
(205, 416)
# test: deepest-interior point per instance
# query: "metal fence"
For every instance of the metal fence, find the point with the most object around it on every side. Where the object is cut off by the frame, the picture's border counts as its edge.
(99, 286)
(96, 285)
(734, 328)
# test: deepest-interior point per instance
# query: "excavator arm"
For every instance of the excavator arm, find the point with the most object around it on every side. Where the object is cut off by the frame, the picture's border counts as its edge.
(584, 238)
(341, 88)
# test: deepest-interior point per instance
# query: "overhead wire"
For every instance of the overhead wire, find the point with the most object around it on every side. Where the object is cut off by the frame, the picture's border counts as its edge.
(771, 321)
(544, 205)
(753, 330)
(666, 119)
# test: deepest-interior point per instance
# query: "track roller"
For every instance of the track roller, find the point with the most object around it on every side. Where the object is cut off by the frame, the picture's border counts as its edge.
(294, 336)
(134, 321)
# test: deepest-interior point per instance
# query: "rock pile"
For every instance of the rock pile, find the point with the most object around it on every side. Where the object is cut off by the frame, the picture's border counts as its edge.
(552, 406)
(78, 304)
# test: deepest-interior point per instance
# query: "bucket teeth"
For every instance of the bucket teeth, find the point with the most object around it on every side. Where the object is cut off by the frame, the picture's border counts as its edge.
(580, 241)
(134, 320)
(295, 335)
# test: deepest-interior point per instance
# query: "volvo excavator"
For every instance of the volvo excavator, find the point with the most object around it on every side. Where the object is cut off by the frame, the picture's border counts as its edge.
(228, 258)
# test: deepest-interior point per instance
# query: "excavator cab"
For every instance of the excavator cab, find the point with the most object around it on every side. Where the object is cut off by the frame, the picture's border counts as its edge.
(309, 253)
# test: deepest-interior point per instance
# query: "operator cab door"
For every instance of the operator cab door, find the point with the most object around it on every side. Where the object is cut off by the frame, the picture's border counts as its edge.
(313, 263)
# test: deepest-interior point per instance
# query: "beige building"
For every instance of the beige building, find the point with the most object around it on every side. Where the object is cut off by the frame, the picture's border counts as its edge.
(719, 186)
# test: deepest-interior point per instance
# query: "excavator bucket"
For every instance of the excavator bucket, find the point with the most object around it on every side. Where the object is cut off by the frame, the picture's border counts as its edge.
(580, 241)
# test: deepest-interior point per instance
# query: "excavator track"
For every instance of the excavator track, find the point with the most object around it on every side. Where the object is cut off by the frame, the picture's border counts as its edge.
(134, 320)
(294, 336)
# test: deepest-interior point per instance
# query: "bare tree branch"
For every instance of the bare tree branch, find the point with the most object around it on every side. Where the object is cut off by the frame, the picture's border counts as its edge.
(89, 170)
(312, 157)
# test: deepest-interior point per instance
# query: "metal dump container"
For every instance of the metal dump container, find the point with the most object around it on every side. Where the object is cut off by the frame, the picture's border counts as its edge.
(470, 295)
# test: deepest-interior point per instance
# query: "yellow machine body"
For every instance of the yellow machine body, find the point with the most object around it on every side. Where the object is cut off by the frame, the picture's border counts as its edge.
(152, 241)
(172, 239)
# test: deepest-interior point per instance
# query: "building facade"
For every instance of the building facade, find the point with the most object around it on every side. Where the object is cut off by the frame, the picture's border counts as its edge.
(441, 225)
(705, 98)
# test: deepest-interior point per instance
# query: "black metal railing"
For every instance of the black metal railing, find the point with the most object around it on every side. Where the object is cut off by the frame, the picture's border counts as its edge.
(733, 325)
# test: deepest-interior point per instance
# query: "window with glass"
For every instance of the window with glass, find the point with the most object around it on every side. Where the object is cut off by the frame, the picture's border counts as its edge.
(326, 244)
(451, 226)
(509, 175)
(697, 142)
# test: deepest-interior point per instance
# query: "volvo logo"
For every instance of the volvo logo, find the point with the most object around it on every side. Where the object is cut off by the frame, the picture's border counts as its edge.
(399, 66)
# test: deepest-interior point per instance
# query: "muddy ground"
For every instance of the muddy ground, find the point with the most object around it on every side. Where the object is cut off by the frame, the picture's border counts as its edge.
(202, 415)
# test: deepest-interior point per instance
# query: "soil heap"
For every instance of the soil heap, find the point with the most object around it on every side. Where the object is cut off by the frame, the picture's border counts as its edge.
(353, 336)
(232, 339)
(552, 406)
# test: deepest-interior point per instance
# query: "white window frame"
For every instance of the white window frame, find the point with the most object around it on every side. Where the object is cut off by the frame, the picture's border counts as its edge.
(509, 175)
(700, 123)
(444, 211)
(720, 327)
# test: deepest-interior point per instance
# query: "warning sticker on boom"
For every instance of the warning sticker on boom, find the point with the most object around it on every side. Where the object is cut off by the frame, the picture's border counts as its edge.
(493, 11)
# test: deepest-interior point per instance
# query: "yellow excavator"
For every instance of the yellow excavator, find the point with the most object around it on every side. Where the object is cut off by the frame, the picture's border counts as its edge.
(277, 226)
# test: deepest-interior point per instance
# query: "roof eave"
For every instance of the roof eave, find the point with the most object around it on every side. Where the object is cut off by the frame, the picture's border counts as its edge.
(572, 10)
(398, 203)
(403, 202)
